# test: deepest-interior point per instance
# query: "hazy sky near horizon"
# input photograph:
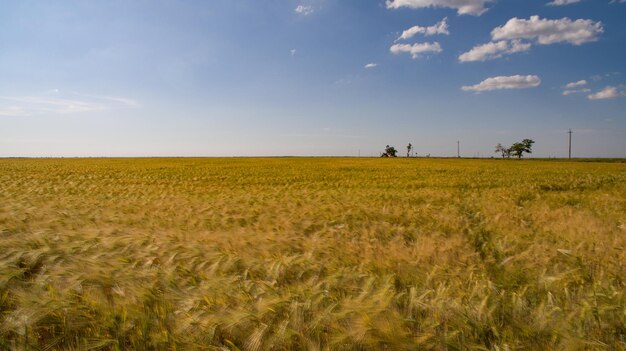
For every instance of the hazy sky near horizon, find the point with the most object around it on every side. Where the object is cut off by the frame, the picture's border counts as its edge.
(311, 77)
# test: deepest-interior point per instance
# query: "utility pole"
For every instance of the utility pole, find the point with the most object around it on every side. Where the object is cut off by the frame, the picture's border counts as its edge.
(458, 149)
(570, 142)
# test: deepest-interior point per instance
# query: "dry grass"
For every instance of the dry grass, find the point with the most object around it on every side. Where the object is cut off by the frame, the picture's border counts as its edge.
(312, 254)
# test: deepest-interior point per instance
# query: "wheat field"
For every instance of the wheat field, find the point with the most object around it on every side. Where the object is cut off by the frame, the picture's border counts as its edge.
(312, 254)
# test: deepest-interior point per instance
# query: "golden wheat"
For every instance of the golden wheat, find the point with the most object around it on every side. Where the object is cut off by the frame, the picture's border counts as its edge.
(312, 254)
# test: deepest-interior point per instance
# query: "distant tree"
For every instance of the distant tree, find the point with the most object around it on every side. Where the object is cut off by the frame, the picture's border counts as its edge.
(390, 151)
(500, 149)
(409, 148)
(518, 149)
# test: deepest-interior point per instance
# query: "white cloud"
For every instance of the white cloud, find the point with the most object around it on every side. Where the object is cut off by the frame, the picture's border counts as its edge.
(417, 49)
(596, 77)
(371, 65)
(293, 52)
(13, 111)
(494, 50)
(109, 100)
(440, 27)
(562, 2)
(77, 103)
(575, 91)
(507, 39)
(607, 93)
(572, 85)
(304, 10)
(54, 105)
(463, 7)
(504, 82)
(547, 31)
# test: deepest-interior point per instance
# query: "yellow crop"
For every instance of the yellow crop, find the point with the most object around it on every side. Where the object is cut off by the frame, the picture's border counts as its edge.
(312, 254)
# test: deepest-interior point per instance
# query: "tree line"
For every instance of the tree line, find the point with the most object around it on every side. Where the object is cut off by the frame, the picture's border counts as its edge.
(517, 149)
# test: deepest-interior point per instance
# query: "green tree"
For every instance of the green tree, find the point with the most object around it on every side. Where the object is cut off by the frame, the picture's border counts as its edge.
(518, 149)
(500, 149)
(390, 151)
(409, 148)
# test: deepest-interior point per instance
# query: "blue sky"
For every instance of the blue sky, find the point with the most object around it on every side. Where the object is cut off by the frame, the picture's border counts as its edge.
(282, 77)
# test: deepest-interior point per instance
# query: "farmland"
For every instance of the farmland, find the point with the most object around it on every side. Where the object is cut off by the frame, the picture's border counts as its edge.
(312, 254)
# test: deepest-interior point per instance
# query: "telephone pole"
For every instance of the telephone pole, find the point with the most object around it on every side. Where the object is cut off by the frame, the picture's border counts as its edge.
(458, 149)
(570, 142)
